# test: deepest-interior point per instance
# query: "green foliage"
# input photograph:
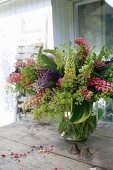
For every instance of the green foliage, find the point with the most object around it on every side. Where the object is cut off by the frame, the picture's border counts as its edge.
(58, 57)
(48, 62)
(28, 77)
(53, 104)
(79, 131)
(77, 71)
(40, 63)
(78, 98)
(110, 111)
(108, 74)
(81, 112)
(69, 70)
(105, 53)
(100, 113)
(28, 73)
(19, 87)
(85, 73)
(106, 70)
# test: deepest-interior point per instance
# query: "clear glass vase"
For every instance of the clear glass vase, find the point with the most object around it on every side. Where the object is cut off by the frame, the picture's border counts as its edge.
(79, 131)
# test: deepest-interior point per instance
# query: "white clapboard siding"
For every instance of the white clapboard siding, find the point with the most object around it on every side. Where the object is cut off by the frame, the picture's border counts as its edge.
(13, 7)
(61, 21)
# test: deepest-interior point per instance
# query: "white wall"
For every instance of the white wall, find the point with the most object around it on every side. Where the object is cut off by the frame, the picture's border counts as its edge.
(10, 29)
(62, 15)
(62, 21)
(13, 7)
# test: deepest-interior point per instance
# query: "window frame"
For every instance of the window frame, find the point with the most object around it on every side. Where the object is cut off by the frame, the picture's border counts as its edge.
(75, 12)
(76, 4)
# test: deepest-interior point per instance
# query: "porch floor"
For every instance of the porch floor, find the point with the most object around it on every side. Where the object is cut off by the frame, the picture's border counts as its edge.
(20, 142)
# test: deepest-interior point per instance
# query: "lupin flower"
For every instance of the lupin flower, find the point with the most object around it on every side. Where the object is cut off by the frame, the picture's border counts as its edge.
(20, 64)
(100, 85)
(30, 61)
(87, 94)
(32, 101)
(84, 44)
(70, 73)
(14, 78)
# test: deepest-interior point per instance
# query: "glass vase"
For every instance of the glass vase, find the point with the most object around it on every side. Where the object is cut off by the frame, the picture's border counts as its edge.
(79, 131)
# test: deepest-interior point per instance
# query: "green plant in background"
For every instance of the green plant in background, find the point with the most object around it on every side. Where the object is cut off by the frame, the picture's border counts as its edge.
(106, 113)
(66, 81)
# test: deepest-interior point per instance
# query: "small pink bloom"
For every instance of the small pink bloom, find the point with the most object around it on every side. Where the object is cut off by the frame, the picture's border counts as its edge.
(20, 64)
(27, 84)
(99, 64)
(103, 89)
(82, 42)
(104, 83)
(99, 88)
(14, 78)
(87, 94)
(108, 84)
(30, 61)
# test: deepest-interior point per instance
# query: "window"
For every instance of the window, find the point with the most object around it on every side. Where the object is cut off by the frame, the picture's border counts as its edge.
(94, 21)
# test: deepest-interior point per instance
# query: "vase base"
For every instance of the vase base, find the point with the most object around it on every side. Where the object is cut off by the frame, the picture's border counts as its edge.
(85, 155)
(74, 149)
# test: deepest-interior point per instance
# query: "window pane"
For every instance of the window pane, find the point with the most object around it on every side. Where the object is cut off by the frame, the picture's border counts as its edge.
(109, 25)
(94, 21)
(90, 23)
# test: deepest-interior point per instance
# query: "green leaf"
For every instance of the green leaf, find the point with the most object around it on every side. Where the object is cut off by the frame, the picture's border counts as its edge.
(28, 73)
(109, 111)
(96, 74)
(39, 52)
(105, 69)
(81, 112)
(49, 63)
(19, 86)
(104, 53)
(78, 131)
(50, 84)
(100, 113)
(58, 56)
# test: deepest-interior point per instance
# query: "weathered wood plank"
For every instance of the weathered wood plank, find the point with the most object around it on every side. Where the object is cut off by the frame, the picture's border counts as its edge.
(34, 160)
(26, 133)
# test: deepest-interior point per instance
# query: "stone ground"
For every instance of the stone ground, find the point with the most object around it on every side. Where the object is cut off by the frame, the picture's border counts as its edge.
(20, 148)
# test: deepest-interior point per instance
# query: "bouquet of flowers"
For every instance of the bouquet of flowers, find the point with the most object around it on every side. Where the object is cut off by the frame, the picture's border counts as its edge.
(64, 83)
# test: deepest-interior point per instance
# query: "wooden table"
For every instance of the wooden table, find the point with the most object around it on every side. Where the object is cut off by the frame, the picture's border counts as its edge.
(25, 137)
